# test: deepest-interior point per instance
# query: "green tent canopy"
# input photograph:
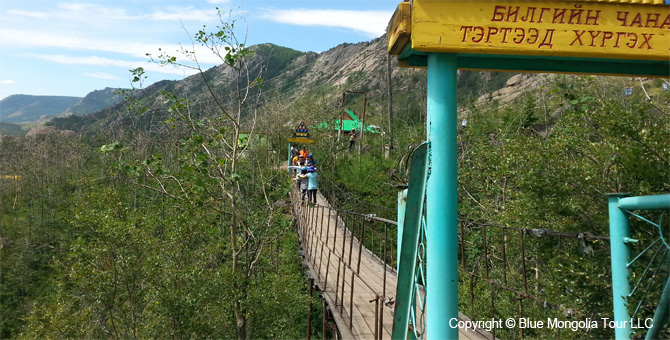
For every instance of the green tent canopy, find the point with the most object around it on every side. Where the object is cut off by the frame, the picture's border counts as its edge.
(347, 124)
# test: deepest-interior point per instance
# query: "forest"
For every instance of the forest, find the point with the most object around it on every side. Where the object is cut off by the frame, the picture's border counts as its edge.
(159, 221)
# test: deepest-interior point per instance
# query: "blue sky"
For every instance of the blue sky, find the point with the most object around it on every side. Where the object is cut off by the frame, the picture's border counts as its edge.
(71, 48)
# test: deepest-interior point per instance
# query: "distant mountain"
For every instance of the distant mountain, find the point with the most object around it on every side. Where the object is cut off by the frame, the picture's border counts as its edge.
(21, 108)
(95, 101)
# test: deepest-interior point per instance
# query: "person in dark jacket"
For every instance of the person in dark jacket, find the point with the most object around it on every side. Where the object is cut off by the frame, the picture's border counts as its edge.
(310, 160)
(352, 139)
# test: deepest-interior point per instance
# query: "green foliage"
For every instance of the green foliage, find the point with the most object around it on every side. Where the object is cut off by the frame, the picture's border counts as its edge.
(153, 273)
(117, 258)
(9, 129)
(548, 163)
(276, 58)
(177, 229)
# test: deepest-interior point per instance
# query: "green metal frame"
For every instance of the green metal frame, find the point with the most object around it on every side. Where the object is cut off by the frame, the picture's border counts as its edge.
(411, 215)
(526, 63)
(620, 207)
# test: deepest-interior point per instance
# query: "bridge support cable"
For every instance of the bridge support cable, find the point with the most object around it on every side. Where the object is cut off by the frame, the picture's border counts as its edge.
(504, 252)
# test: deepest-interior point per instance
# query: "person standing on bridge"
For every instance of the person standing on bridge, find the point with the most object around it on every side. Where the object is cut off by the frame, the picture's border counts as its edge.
(303, 182)
(304, 152)
(310, 160)
(352, 139)
(311, 185)
(294, 152)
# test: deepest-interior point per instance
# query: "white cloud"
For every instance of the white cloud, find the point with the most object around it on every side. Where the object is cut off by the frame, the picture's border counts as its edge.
(137, 49)
(7, 82)
(63, 59)
(96, 15)
(371, 23)
(89, 12)
(184, 14)
(218, 2)
(108, 62)
(101, 75)
(22, 13)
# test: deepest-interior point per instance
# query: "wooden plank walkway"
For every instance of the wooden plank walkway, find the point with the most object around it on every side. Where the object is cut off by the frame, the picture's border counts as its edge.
(355, 282)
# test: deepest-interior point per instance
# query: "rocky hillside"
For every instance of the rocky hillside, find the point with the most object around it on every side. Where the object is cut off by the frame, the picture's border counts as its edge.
(305, 85)
(95, 101)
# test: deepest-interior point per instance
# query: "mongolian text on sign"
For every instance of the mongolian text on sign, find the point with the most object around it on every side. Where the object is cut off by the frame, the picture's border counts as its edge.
(300, 140)
(554, 28)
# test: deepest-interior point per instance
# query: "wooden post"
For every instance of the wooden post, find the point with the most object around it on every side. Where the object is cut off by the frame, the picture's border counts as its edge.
(389, 75)
(309, 313)
(324, 320)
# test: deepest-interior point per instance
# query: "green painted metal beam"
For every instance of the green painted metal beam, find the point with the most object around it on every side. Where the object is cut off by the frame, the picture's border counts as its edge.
(409, 242)
(652, 202)
(510, 63)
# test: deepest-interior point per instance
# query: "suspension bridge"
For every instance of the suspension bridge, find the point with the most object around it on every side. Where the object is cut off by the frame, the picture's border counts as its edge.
(525, 36)
(358, 284)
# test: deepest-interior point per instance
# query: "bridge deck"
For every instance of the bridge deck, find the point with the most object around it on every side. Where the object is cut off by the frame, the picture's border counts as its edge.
(350, 288)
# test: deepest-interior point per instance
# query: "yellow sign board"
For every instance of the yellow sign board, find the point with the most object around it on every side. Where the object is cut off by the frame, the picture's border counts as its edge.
(583, 29)
(10, 176)
(300, 140)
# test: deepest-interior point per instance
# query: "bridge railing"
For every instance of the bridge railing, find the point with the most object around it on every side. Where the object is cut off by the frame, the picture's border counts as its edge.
(335, 242)
(500, 266)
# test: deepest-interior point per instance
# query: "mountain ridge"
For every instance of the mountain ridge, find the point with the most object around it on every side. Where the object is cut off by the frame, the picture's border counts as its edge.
(291, 80)
(22, 108)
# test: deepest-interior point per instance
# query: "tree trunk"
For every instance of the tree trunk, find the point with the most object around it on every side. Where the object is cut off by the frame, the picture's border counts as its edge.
(241, 321)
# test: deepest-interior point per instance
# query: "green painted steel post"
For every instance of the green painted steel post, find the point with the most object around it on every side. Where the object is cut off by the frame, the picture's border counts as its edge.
(289, 154)
(410, 239)
(661, 315)
(620, 255)
(441, 199)
(402, 198)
